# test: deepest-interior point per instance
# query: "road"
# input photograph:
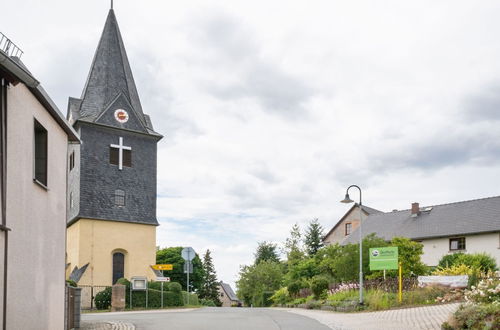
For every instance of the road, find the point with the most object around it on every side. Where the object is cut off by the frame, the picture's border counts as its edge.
(209, 318)
(418, 318)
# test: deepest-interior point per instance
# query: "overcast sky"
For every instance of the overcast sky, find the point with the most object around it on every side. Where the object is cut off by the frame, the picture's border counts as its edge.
(270, 109)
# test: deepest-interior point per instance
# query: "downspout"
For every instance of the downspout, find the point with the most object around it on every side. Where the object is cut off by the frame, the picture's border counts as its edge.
(3, 187)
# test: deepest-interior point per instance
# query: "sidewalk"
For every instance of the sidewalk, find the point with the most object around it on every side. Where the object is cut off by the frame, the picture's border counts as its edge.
(418, 318)
(87, 325)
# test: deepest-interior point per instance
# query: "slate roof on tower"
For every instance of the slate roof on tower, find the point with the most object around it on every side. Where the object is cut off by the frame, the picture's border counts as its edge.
(110, 84)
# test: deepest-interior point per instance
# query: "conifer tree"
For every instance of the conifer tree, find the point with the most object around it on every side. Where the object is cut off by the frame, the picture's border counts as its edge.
(313, 240)
(210, 286)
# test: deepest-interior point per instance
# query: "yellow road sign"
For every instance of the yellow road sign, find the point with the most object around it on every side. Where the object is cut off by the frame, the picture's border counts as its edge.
(163, 267)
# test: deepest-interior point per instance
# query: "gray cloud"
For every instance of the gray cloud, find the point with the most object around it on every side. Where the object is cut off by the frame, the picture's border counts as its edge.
(484, 105)
(233, 47)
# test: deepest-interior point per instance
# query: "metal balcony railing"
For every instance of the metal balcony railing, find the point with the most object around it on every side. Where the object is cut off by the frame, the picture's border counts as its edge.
(8, 47)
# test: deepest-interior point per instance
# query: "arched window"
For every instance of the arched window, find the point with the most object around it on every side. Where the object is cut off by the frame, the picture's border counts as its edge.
(118, 266)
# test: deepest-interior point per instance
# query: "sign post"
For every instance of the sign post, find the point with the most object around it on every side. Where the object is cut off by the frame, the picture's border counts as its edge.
(384, 258)
(188, 254)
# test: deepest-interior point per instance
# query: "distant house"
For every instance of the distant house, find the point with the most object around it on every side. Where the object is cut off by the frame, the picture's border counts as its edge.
(227, 295)
(34, 138)
(347, 224)
(469, 226)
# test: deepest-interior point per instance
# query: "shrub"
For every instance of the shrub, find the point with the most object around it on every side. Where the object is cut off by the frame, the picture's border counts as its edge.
(294, 288)
(281, 296)
(319, 286)
(174, 287)
(475, 316)
(481, 261)
(487, 291)
(193, 298)
(207, 302)
(103, 299)
(457, 269)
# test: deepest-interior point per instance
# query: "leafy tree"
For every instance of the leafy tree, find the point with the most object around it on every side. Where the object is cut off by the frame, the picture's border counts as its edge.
(257, 282)
(209, 285)
(313, 237)
(172, 255)
(293, 248)
(410, 253)
(304, 269)
(266, 251)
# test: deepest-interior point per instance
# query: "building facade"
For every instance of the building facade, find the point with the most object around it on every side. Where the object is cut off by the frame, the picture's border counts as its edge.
(112, 180)
(469, 227)
(227, 296)
(34, 140)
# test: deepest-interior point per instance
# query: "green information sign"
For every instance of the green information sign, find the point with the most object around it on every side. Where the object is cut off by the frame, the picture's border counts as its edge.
(383, 258)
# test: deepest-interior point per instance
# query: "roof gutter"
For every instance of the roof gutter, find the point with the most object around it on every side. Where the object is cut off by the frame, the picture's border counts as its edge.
(18, 71)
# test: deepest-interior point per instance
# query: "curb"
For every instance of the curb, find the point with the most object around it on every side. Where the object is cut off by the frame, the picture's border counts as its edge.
(111, 325)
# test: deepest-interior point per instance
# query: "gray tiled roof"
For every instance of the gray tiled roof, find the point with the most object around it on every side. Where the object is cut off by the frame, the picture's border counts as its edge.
(229, 291)
(110, 76)
(460, 218)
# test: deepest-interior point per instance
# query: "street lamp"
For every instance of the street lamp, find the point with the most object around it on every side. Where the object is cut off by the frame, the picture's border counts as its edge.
(347, 200)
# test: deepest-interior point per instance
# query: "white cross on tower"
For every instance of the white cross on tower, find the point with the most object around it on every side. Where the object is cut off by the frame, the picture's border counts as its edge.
(120, 148)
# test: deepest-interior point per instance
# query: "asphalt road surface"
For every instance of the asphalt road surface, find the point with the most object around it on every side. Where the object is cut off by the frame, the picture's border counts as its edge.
(212, 319)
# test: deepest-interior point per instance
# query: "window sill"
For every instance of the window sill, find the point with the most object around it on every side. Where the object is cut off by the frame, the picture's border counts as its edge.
(455, 251)
(41, 184)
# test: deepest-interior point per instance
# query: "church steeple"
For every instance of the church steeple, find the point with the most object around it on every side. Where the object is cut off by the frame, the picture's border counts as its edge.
(110, 78)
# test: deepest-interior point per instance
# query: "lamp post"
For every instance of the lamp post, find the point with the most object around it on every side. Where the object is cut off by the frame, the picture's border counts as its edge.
(346, 200)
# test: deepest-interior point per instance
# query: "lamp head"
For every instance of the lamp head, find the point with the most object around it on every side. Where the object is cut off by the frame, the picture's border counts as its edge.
(347, 199)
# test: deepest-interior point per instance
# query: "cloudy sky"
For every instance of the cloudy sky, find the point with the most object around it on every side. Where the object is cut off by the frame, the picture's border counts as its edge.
(270, 109)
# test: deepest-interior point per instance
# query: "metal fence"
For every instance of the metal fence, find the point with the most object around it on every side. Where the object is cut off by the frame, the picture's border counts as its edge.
(88, 295)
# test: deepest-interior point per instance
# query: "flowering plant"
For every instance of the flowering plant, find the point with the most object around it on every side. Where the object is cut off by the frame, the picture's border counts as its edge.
(344, 287)
(487, 291)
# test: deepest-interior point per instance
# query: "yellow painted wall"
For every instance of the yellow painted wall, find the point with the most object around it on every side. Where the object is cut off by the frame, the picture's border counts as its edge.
(95, 241)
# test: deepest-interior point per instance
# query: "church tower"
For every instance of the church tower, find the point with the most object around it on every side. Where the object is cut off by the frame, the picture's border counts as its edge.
(111, 229)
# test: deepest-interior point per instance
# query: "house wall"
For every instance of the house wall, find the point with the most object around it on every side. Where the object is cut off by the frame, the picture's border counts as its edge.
(435, 249)
(224, 298)
(338, 234)
(2, 264)
(95, 241)
(37, 217)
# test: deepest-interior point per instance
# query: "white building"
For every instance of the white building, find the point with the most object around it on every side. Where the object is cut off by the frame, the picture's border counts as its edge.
(34, 139)
(469, 227)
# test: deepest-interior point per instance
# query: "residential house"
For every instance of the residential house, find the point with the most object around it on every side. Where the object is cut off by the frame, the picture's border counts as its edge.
(34, 139)
(227, 295)
(347, 224)
(469, 226)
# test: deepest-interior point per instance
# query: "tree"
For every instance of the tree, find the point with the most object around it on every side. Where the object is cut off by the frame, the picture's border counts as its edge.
(257, 283)
(313, 239)
(409, 253)
(172, 255)
(266, 252)
(293, 249)
(209, 286)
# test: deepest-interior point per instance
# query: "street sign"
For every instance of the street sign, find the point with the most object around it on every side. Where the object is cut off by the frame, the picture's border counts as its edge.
(188, 253)
(384, 258)
(162, 279)
(163, 267)
(188, 266)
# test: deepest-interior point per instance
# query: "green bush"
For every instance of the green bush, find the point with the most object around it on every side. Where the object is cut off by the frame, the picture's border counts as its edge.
(281, 296)
(172, 296)
(103, 299)
(480, 261)
(193, 298)
(294, 288)
(319, 286)
(207, 302)
(475, 316)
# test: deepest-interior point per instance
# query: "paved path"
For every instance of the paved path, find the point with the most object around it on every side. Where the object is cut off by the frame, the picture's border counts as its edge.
(211, 318)
(418, 318)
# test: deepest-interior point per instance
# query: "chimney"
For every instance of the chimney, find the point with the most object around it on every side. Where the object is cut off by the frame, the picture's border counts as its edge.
(415, 209)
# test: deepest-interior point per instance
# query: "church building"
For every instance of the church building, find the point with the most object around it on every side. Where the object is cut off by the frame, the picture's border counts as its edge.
(111, 229)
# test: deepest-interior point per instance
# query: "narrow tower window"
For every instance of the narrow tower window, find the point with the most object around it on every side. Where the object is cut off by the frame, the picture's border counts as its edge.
(119, 197)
